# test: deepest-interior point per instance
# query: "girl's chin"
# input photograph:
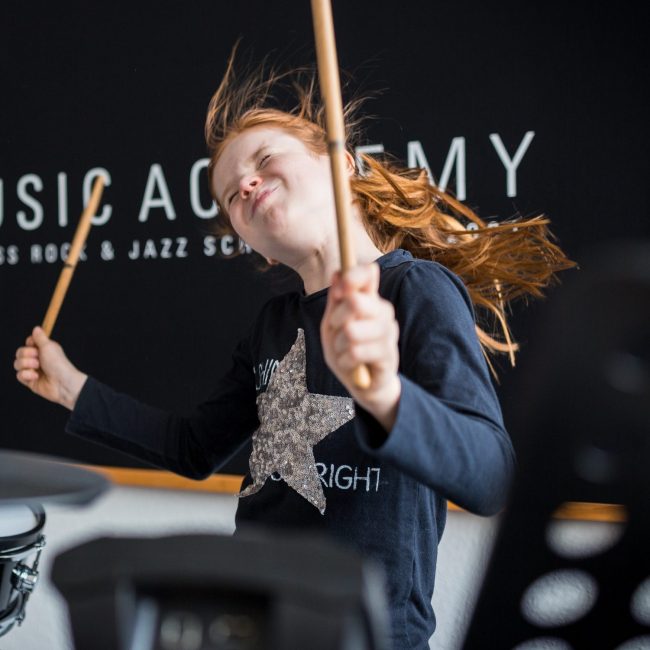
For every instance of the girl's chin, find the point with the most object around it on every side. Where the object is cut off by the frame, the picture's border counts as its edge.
(275, 224)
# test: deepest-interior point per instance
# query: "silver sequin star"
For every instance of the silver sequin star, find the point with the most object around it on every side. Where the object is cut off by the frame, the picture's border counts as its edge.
(292, 421)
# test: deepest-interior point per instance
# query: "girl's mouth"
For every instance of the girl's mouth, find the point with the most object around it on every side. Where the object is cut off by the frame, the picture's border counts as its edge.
(261, 197)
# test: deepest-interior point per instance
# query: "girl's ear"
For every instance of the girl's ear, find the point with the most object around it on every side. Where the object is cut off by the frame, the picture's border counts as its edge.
(271, 262)
(351, 165)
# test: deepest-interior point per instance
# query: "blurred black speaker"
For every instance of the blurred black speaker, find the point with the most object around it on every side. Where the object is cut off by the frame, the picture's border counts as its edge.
(582, 421)
(205, 592)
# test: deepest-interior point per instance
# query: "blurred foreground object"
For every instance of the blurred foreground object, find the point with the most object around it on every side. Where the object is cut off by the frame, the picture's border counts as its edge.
(256, 590)
(33, 479)
(583, 428)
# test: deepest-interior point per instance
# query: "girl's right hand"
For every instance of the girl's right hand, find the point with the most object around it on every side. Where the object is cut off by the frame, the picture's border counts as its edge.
(42, 366)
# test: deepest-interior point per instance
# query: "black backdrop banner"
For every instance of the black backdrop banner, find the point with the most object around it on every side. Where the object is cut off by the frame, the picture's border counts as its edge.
(518, 108)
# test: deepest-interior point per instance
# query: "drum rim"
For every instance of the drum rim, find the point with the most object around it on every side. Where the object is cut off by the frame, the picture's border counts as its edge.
(26, 538)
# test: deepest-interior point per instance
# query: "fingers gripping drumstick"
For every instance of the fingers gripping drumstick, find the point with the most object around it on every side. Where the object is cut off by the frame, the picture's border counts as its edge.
(328, 73)
(73, 256)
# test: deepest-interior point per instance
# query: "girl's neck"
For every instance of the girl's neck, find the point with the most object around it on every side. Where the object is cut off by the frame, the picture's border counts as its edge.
(316, 269)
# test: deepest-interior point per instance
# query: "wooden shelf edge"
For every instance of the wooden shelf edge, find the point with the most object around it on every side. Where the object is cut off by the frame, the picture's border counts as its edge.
(231, 484)
(156, 478)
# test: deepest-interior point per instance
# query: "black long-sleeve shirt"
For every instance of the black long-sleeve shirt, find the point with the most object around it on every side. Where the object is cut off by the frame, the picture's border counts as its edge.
(385, 494)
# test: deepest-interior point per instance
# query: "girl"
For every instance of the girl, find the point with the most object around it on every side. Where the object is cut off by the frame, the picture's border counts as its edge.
(371, 466)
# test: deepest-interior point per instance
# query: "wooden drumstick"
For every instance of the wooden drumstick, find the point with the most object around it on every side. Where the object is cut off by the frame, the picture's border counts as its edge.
(73, 256)
(328, 74)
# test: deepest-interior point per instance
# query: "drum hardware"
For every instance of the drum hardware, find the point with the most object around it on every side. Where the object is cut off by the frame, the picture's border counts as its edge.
(24, 578)
(26, 482)
(24, 525)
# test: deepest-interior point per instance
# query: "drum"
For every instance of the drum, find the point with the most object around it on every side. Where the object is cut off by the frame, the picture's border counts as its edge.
(21, 542)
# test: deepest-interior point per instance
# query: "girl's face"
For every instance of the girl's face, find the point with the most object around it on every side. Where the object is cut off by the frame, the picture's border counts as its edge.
(277, 193)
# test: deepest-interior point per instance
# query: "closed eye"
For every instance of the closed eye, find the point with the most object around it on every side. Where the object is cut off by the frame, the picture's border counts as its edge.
(261, 163)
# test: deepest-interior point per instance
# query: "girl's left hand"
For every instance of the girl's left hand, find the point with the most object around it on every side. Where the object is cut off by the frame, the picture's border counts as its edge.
(359, 327)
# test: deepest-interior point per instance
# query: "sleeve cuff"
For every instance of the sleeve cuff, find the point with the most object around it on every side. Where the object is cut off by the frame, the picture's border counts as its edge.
(77, 413)
(371, 435)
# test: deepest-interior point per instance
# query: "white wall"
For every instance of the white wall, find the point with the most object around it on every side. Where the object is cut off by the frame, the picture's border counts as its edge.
(142, 512)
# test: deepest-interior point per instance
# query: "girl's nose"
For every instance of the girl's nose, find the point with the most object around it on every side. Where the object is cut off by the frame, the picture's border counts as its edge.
(248, 184)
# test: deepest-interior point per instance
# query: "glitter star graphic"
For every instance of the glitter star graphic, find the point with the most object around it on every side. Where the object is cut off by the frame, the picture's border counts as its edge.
(292, 421)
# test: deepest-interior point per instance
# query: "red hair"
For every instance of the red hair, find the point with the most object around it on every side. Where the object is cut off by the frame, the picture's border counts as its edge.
(498, 263)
